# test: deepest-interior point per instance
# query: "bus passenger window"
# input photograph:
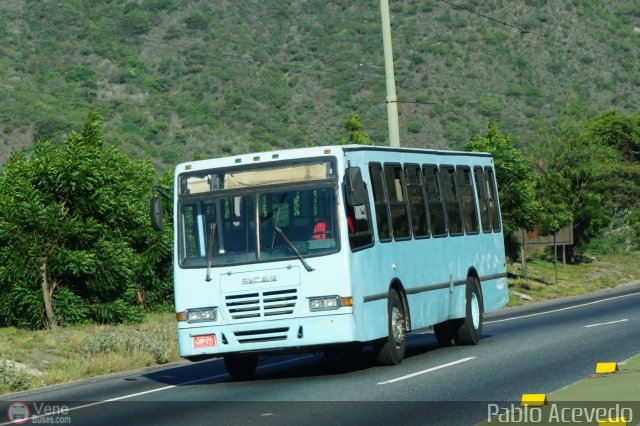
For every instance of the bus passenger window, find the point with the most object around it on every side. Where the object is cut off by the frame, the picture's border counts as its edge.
(452, 203)
(492, 198)
(380, 202)
(434, 200)
(467, 199)
(417, 201)
(397, 201)
(482, 199)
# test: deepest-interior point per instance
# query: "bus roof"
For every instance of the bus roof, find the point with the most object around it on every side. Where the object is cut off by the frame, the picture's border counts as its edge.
(412, 150)
(298, 153)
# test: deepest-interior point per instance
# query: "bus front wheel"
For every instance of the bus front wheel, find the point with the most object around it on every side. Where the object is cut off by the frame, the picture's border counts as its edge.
(391, 350)
(241, 367)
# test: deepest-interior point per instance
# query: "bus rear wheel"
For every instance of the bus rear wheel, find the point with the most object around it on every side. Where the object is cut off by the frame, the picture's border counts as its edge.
(469, 328)
(241, 367)
(391, 350)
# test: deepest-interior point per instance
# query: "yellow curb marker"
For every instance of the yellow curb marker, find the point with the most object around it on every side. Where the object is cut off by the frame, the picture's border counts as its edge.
(534, 399)
(617, 421)
(609, 368)
(606, 367)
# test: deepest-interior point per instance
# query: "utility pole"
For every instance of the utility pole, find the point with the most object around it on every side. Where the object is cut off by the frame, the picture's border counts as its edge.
(392, 100)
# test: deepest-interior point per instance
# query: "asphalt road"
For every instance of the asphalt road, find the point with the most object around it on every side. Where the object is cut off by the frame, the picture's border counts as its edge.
(534, 349)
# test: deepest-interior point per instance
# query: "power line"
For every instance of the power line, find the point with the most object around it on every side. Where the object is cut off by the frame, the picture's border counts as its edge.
(524, 31)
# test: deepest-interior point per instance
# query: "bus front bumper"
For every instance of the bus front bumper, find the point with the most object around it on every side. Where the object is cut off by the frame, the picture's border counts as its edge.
(287, 335)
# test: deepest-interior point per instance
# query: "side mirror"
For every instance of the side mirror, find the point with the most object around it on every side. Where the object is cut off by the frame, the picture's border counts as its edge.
(356, 192)
(155, 213)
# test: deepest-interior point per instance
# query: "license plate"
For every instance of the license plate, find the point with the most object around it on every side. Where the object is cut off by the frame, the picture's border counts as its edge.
(207, 341)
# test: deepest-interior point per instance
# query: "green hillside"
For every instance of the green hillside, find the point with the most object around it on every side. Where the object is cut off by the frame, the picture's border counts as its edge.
(174, 77)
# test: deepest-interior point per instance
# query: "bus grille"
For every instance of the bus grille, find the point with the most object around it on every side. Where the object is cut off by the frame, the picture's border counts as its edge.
(266, 335)
(260, 304)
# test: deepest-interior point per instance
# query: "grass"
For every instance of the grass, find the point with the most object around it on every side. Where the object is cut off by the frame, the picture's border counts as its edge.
(76, 352)
(539, 284)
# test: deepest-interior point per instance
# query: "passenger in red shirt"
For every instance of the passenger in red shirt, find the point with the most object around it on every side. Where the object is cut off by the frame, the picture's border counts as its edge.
(321, 230)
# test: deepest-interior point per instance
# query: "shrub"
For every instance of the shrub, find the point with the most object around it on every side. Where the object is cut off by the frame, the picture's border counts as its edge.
(126, 342)
(13, 379)
(414, 127)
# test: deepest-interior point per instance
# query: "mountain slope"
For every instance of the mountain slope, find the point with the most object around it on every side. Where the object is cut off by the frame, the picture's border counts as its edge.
(174, 77)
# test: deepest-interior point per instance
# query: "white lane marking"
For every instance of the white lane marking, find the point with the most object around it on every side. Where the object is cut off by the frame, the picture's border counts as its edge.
(120, 398)
(562, 309)
(428, 370)
(605, 323)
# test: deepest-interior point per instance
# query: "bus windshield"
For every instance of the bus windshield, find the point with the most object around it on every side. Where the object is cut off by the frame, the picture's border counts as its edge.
(252, 227)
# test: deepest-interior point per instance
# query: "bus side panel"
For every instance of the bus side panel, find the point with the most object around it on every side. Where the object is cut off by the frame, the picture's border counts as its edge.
(458, 300)
(487, 262)
(429, 307)
(433, 271)
(495, 291)
(373, 321)
(495, 294)
(426, 278)
(370, 292)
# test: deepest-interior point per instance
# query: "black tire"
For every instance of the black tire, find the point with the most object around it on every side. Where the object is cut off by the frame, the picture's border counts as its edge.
(241, 367)
(445, 334)
(468, 330)
(391, 350)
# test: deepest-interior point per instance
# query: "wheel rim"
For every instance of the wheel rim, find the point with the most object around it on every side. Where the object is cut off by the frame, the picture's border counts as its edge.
(475, 311)
(397, 326)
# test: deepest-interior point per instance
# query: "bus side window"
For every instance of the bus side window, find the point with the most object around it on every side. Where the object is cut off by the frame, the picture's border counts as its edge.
(492, 198)
(467, 199)
(191, 244)
(434, 200)
(380, 202)
(482, 199)
(397, 201)
(417, 201)
(358, 223)
(452, 202)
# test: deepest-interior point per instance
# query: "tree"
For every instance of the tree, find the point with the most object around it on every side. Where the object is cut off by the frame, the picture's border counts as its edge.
(356, 134)
(576, 171)
(554, 212)
(74, 229)
(633, 221)
(621, 180)
(612, 128)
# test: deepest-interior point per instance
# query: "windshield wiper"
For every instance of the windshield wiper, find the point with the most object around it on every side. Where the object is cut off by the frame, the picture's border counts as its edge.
(293, 247)
(212, 234)
(282, 200)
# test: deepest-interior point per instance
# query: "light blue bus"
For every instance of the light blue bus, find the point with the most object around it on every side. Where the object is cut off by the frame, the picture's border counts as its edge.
(316, 249)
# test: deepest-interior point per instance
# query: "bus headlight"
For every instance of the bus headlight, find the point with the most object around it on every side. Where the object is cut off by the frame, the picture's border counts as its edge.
(326, 303)
(198, 315)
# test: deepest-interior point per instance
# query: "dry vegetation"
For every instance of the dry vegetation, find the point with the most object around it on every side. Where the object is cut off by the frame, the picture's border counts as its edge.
(47, 357)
